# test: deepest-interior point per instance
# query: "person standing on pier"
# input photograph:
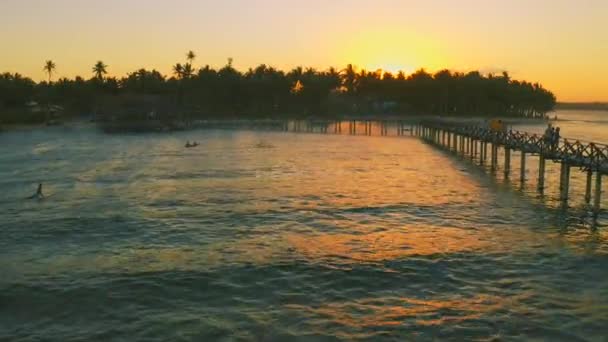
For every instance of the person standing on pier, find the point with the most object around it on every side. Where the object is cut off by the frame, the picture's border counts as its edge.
(548, 136)
(555, 140)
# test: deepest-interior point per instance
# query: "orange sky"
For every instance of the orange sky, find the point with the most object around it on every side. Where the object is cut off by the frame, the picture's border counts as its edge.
(561, 43)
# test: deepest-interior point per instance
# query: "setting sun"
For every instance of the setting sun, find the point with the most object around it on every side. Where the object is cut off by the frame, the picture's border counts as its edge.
(392, 49)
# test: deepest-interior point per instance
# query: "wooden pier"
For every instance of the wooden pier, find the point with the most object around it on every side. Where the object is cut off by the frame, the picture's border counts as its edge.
(590, 158)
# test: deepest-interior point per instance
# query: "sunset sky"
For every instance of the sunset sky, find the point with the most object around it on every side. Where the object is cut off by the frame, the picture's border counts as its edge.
(562, 44)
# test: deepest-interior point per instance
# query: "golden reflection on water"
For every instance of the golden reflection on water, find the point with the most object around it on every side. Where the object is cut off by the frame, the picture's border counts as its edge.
(382, 246)
(378, 312)
(350, 202)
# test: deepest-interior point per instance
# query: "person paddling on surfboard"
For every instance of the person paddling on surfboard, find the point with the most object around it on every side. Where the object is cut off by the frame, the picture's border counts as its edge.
(38, 193)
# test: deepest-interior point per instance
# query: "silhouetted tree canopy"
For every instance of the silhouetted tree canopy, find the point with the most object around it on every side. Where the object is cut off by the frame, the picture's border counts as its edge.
(267, 92)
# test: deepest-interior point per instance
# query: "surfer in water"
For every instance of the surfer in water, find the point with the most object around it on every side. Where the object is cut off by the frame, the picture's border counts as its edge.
(38, 193)
(188, 144)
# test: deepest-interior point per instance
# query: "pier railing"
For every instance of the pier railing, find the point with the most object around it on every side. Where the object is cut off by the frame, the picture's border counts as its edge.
(587, 155)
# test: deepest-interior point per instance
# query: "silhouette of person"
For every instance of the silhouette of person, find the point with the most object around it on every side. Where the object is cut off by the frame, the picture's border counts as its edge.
(38, 193)
(555, 142)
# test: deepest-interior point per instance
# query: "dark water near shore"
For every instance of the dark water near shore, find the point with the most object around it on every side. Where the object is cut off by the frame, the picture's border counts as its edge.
(282, 236)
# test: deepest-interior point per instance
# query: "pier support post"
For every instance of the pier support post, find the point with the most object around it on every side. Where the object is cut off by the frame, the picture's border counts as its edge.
(598, 193)
(462, 144)
(541, 174)
(507, 161)
(588, 186)
(522, 170)
(494, 156)
(455, 142)
(475, 148)
(471, 144)
(448, 140)
(564, 183)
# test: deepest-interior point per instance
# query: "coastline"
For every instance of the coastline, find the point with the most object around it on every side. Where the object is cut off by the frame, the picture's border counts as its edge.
(165, 127)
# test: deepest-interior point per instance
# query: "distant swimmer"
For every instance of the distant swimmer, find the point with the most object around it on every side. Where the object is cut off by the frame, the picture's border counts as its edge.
(188, 144)
(38, 193)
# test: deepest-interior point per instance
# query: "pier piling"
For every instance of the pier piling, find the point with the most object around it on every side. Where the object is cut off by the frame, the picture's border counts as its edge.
(588, 186)
(598, 193)
(522, 170)
(475, 143)
(494, 156)
(564, 183)
(541, 173)
(507, 162)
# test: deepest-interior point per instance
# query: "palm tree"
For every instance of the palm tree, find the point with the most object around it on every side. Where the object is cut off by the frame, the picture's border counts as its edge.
(349, 78)
(99, 69)
(50, 67)
(178, 70)
(187, 70)
(190, 56)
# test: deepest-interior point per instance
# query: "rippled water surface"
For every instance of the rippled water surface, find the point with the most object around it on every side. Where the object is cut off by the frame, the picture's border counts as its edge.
(283, 236)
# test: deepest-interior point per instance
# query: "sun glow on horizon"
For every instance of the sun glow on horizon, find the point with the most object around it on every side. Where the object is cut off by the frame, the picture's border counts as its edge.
(555, 43)
(391, 49)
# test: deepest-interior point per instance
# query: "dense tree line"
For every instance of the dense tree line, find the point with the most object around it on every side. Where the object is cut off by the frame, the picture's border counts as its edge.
(267, 92)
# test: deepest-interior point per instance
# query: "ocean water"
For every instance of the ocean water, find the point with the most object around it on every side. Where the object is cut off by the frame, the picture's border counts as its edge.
(272, 236)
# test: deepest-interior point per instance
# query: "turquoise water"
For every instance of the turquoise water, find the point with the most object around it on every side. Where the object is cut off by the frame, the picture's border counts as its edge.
(281, 236)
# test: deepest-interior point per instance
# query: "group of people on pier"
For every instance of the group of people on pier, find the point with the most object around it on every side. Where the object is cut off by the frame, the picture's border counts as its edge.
(551, 137)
